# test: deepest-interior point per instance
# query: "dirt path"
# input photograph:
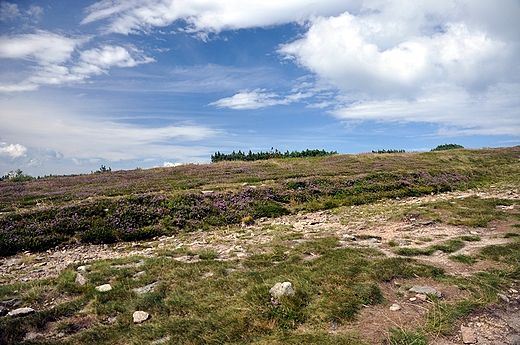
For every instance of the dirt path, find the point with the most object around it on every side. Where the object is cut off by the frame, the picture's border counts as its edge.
(366, 226)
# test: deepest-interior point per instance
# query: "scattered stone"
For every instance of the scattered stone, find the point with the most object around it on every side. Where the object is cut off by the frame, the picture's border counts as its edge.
(80, 279)
(425, 290)
(468, 335)
(161, 340)
(229, 271)
(132, 264)
(421, 296)
(104, 288)
(208, 275)
(146, 289)
(138, 274)
(282, 289)
(111, 320)
(187, 258)
(20, 312)
(395, 307)
(503, 297)
(140, 316)
(83, 268)
(61, 335)
(13, 302)
(31, 336)
(413, 299)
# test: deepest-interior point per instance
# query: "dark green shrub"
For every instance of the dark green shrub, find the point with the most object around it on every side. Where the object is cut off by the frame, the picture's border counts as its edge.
(445, 147)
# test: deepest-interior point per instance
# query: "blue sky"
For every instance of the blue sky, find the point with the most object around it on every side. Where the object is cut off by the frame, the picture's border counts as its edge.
(144, 83)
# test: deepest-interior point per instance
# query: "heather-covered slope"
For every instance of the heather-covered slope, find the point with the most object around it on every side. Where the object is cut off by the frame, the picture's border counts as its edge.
(140, 204)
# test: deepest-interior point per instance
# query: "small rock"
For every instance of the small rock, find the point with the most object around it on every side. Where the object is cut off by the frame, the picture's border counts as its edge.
(83, 268)
(80, 279)
(421, 296)
(20, 312)
(111, 320)
(468, 336)
(413, 299)
(161, 340)
(395, 307)
(61, 335)
(282, 289)
(503, 297)
(187, 258)
(425, 290)
(146, 289)
(140, 316)
(138, 274)
(104, 288)
(31, 336)
(13, 302)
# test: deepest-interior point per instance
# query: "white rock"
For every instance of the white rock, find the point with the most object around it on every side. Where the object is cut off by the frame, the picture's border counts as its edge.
(104, 288)
(395, 307)
(140, 316)
(20, 312)
(282, 289)
(80, 279)
(146, 289)
(83, 268)
(425, 290)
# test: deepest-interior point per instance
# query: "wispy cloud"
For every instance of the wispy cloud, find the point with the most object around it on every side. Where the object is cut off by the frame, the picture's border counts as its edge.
(52, 59)
(127, 17)
(62, 131)
(257, 99)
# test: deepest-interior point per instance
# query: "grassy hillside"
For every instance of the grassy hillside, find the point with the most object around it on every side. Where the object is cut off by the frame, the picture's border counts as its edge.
(385, 225)
(141, 204)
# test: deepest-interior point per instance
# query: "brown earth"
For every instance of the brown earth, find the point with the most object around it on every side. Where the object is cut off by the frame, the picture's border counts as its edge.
(366, 226)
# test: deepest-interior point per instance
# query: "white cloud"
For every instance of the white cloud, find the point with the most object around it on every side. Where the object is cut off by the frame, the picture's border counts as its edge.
(12, 150)
(99, 60)
(35, 12)
(257, 99)
(8, 11)
(51, 59)
(43, 47)
(456, 111)
(170, 164)
(208, 15)
(368, 55)
(57, 125)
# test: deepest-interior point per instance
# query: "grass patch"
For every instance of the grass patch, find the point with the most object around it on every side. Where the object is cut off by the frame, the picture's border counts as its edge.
(465, 259)
(448, 246)
(400, 336)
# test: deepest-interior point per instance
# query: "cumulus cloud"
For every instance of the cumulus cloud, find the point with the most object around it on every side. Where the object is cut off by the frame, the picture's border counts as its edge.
(208, 15)
(383, 55)
(52, 59)
(12, 150)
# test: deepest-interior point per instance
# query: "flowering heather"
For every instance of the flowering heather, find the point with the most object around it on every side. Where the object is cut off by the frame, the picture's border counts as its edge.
(139, 204)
